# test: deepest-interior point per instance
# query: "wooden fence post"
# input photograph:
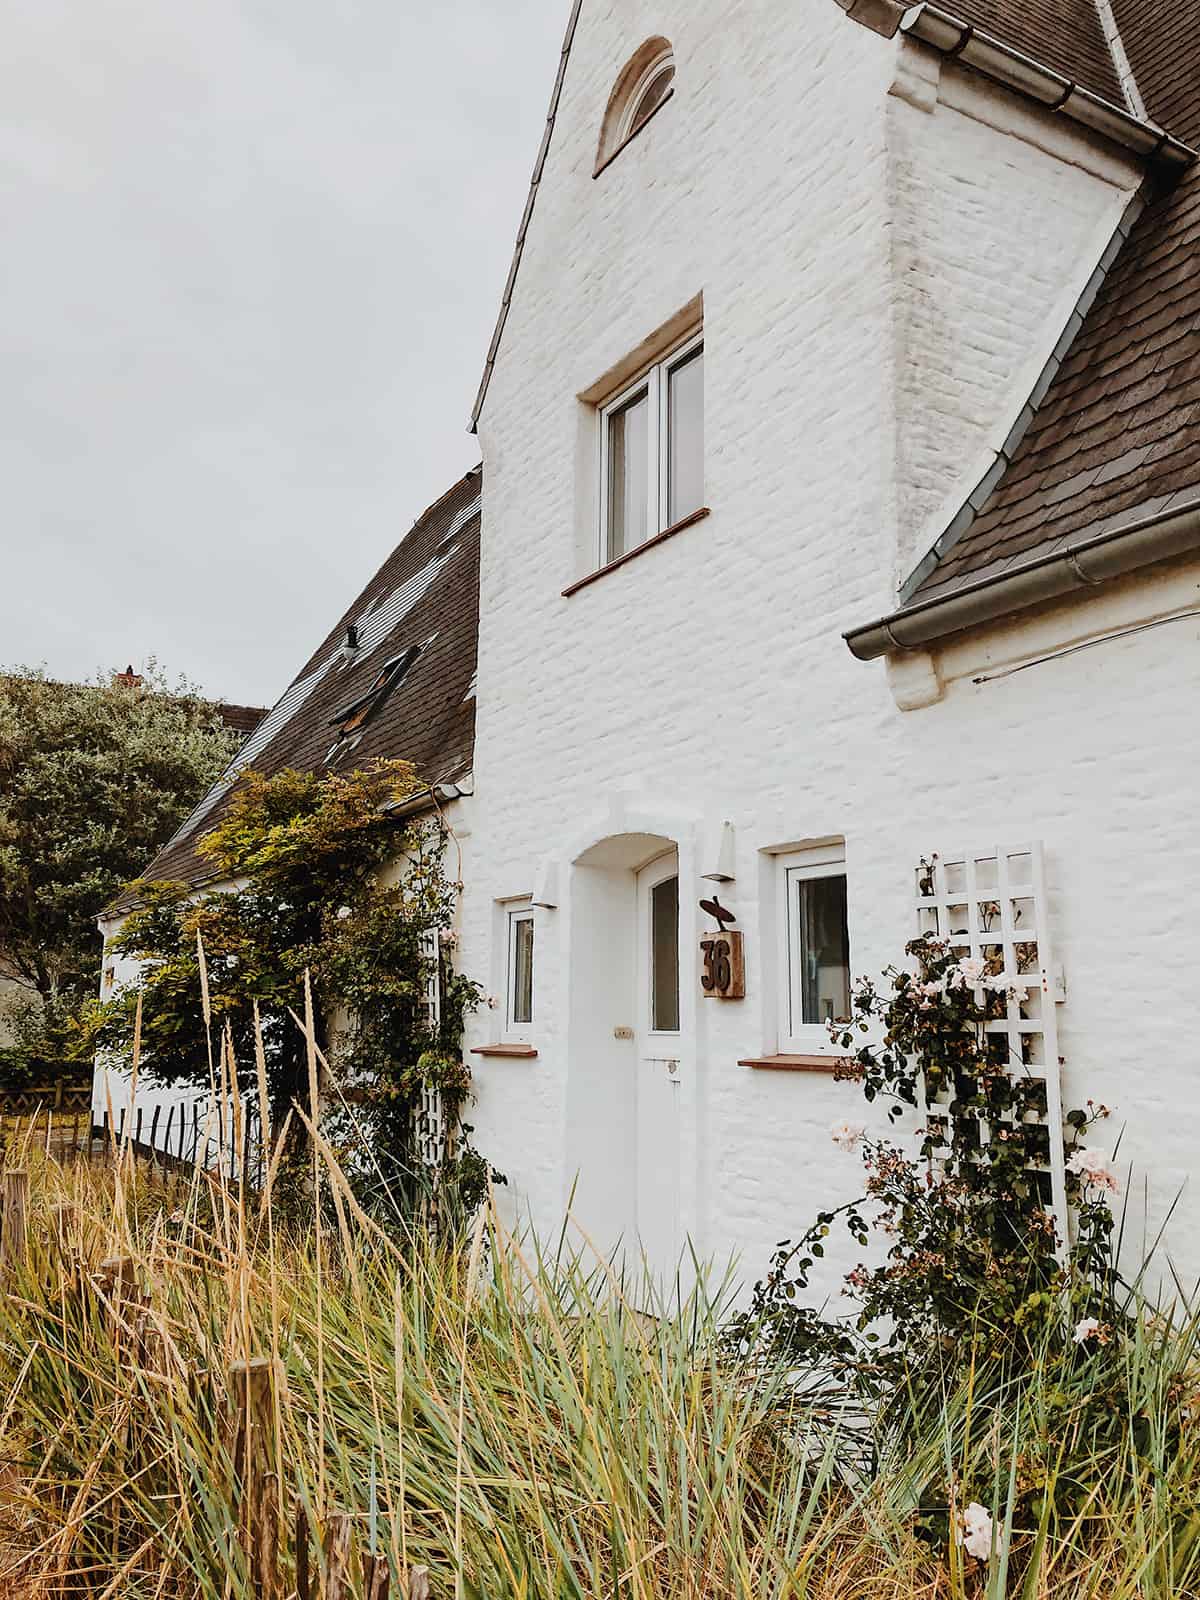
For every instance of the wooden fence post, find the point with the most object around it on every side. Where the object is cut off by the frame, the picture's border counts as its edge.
(377, 1578)
(337, 1556)
(418, 1583)
(301, 1533)
(252, 1394)
(16, 1217)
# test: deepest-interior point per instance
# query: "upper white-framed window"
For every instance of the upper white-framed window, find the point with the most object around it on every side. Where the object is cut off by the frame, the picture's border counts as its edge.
(652, 452)
(518, 980)
(814, 945)
(645, 84)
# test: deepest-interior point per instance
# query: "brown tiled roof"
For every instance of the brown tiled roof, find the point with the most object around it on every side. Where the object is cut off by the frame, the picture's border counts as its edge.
(1112, 434)
(1162, 40)
(426, 595)
(241, 719)
(1063, 34)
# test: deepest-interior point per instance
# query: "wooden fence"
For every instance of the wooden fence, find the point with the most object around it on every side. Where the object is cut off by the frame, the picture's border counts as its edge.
(218, 1136)
(63, 1095)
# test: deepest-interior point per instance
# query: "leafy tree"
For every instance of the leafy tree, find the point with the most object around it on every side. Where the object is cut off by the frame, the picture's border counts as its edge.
(322, 874)
(94, 778)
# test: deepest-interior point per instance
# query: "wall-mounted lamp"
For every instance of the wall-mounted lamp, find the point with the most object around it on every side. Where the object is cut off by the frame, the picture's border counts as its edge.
(722, 857)
(545, 893)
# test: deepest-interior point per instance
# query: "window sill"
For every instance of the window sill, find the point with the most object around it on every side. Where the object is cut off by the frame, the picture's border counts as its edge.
(506, 1052)
(629, 138)
(786, 1063)
(640, 549)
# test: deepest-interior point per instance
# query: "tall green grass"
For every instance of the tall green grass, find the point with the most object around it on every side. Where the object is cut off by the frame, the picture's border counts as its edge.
(526, 1423)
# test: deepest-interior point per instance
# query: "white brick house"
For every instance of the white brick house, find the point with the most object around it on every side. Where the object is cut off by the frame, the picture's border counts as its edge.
(883, 325)
(879, 235)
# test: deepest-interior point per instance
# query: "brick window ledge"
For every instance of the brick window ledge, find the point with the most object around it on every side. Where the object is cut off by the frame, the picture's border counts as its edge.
(509, 1052)
(786, 1063)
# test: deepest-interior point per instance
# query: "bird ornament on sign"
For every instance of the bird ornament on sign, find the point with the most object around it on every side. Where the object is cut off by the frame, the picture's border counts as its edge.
(724, 972)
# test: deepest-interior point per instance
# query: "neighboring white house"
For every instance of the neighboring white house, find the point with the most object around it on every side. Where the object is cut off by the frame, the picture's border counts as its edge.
(883, 325)
(808, 309)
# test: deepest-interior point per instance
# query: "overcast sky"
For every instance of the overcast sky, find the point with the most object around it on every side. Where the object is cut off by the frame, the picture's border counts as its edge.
(253, 251)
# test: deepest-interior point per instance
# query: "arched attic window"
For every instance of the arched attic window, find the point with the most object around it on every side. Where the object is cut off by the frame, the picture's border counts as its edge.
(644, 85)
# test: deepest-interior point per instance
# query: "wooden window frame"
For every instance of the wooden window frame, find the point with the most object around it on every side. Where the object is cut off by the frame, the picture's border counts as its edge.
(655, 380)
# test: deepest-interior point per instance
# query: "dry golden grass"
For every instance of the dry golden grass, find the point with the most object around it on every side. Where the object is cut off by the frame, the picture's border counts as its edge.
(519, 1425)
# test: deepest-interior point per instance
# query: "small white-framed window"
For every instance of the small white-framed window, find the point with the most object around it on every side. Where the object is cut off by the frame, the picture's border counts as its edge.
(645, 84)
(652, 452)
(814, 942)
(647, 93)
(518, 986)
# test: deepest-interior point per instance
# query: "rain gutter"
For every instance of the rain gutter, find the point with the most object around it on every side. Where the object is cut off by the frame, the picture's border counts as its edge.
(1169, 532)
(960, 41)
(433, 798)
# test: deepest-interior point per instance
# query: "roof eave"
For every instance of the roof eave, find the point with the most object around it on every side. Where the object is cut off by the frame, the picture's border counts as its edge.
(994, 59)
(1113, 553)
(990, 56)
(526, 217)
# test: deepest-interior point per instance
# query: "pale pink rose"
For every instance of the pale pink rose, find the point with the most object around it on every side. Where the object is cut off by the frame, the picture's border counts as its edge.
(847, 1135)
(1092, 1166)
(969, 973)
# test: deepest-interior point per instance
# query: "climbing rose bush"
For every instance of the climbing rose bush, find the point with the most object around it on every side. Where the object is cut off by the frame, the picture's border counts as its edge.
(966, 1250)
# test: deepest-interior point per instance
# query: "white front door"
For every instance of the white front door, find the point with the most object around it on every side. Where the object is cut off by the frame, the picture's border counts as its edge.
(660, 1067)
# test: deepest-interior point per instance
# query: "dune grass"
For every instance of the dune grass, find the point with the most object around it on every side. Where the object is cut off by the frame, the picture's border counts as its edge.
(522, 1422)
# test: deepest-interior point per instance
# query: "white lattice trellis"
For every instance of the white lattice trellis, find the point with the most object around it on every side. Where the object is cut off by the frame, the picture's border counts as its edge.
(430, 1128)
(431, 952)
(991, 904)
(429, 1116)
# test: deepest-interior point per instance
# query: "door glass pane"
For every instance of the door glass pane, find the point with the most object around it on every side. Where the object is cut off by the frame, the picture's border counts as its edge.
(824, 949)
(664, 956)
(628, 447)
(686, 412)
(522, 999)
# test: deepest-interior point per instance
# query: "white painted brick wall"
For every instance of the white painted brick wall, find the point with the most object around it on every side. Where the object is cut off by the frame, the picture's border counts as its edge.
(997, 218)
(769, 184)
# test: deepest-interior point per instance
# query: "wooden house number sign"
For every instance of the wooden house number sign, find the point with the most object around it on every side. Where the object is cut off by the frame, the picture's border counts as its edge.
(724, 974)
